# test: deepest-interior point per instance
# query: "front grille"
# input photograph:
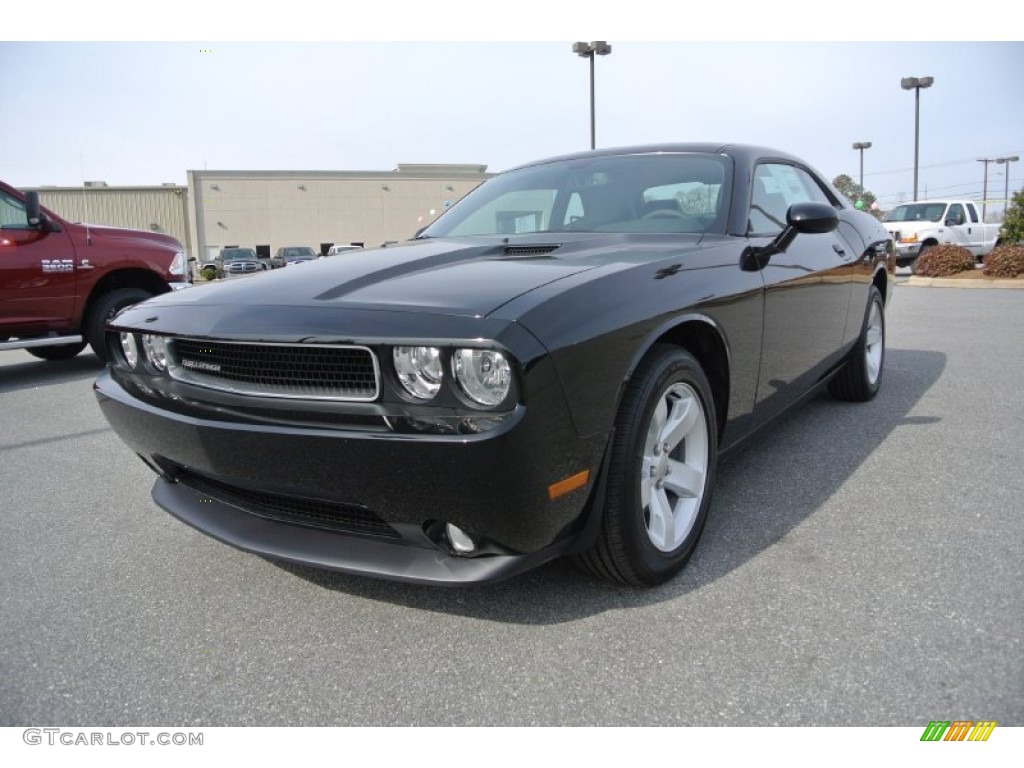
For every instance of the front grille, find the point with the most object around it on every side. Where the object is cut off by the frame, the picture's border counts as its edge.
(291, 509)
(304, 371)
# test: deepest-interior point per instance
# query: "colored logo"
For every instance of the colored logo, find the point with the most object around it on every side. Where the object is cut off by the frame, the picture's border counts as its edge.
(958, 730)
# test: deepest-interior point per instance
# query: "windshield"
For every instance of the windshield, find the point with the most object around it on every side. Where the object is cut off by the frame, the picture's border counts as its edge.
(664, 192)
(917, 212)
(292, 253)
(238, 254)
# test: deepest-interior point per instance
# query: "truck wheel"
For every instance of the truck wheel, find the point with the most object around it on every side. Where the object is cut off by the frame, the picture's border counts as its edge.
(59, 352)
(920, 253)
(102, 310)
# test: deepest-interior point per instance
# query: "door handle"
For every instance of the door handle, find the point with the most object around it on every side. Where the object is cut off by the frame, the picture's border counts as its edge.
(839, 250)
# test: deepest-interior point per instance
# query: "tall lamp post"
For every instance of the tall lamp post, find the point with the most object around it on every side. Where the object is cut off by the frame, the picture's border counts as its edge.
(862, 145)
(1006, 188)
(915, 84)
(984, 193)
(588, 51)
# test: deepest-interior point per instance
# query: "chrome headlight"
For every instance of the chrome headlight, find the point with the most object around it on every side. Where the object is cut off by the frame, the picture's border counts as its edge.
(419, 369)
(130, 349)
(155, 348)
(483, 374)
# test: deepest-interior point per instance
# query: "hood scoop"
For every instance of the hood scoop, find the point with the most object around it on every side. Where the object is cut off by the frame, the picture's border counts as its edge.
(529, 251)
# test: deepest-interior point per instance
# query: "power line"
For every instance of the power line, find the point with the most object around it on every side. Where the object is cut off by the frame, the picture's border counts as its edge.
(939, 165)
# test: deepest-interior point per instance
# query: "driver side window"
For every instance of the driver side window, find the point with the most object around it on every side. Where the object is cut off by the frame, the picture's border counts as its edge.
(776, 187)
(12, 213)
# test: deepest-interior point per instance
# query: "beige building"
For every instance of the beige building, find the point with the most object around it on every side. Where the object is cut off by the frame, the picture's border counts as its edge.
(268, 210)
(158, 209)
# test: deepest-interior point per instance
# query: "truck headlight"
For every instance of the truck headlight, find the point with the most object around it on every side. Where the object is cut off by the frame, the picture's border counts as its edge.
(177, 264)
(483, 374)
(419, 369)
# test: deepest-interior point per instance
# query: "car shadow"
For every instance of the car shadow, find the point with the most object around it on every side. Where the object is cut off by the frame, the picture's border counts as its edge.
(771, 486)
(40, 373)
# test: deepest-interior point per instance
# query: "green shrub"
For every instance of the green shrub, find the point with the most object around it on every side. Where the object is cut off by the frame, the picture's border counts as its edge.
(1005, 261)
(1012, 230)
(943, 261)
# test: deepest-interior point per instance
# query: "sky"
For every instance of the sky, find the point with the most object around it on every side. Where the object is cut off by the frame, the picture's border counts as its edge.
(131, 112)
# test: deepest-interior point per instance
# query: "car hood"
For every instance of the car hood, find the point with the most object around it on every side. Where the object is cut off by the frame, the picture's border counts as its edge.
(463, 276)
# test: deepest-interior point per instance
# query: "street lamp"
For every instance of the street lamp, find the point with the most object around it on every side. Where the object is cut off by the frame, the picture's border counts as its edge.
(1006, 188)
(915, 84)
(587, 51)
(984, 194)
(862, 145)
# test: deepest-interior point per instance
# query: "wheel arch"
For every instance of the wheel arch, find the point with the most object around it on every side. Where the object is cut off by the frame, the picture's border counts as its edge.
(881, 281)
(703, 338)
(143, 279)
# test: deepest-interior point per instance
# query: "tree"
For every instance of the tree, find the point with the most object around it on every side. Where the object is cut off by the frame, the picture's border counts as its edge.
(1012, 230)
(854, 192)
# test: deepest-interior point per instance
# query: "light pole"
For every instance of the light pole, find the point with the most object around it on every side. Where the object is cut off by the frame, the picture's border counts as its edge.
(862, 145)
(984, 193)
(587, 51)
(915, 84)
(1006, 188)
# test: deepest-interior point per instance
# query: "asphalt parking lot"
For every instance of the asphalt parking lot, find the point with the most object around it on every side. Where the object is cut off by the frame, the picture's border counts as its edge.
(862, 566)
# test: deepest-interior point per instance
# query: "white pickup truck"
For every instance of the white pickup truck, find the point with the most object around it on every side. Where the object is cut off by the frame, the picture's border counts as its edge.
(917, 226)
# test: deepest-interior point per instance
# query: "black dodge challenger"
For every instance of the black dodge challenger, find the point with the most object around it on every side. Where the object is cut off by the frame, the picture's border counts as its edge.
(553, 367)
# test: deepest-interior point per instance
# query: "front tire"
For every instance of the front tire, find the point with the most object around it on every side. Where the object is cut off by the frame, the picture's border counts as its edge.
(103, 310)
(859, 379)
(661, 472)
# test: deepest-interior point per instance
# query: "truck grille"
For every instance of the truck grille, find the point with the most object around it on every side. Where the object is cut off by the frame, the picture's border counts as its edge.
(291, 509)
(302, 371)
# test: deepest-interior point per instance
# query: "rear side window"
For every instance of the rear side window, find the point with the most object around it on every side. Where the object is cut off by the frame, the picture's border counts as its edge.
(972, 212)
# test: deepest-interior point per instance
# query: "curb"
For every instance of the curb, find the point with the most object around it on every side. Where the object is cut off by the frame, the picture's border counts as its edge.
(946, 282)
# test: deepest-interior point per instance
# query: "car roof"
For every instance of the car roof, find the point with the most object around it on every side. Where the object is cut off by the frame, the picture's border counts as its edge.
(738, 151)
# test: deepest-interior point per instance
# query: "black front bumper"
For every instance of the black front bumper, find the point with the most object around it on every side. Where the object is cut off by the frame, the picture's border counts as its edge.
(493, 486)
(337, 551)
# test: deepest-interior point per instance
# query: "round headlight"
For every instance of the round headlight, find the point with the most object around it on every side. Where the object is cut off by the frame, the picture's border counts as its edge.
(484, 374)
(155, 348)
(130, 349)
(419, 369)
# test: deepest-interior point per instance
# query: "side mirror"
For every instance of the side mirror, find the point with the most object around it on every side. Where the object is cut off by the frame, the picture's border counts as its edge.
(32, 209)
(34, 213)
(801, 219)
(954, 222)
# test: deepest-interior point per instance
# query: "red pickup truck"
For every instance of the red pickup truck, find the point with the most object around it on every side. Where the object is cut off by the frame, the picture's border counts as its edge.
(60, 282)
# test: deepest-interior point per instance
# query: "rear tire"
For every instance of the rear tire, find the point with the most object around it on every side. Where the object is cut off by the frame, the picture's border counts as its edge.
(660, 474)
(859, 379)
(103, 310)
(60, 352)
